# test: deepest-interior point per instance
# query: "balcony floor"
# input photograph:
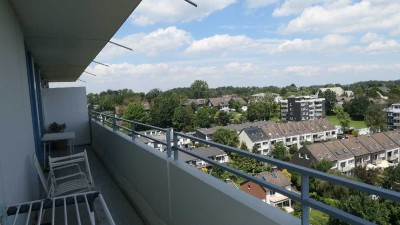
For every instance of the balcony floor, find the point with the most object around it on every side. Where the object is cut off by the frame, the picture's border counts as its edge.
(121, 210)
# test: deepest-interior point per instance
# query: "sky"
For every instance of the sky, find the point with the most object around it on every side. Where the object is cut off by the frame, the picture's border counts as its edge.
(250, 43)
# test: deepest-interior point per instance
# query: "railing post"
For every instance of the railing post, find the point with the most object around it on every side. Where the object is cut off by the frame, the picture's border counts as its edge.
(114, 123)
(133, 128)
(175, 138)
(169, 144)
(305, 195)
(103, 118)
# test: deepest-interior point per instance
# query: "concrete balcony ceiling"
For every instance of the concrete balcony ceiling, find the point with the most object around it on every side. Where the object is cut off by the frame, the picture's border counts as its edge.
(65, 36)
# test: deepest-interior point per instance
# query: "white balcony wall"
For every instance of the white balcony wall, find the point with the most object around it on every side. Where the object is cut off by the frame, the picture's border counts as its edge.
(68, 105)
(168, 192)
(18, 181)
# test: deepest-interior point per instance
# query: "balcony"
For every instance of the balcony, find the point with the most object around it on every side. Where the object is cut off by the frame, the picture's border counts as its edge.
(393, 157)
(160, 185)
(347, 168)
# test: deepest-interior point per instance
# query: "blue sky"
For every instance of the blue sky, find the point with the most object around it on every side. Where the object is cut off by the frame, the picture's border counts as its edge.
(250, 43)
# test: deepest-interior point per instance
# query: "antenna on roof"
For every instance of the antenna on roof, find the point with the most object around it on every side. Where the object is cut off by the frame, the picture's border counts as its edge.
(101, 63)
(192, 3)
(90, 73)
(119, 45)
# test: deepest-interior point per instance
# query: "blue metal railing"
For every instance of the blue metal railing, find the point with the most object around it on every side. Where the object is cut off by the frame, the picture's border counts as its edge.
(304, 197)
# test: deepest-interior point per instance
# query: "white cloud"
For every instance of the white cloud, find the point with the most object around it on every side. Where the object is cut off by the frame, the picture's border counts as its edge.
(292, 7)
(254, 4)
(302, 70)
(354, 68)
(376, 44)
(172, 11)
(167, 40)
(347, 17)
(329, 43)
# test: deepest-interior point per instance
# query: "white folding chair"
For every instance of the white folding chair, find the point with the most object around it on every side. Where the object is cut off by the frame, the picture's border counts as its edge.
(67, 176)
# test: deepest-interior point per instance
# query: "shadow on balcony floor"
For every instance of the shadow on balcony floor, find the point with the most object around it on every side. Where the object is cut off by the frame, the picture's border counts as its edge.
(120, 208)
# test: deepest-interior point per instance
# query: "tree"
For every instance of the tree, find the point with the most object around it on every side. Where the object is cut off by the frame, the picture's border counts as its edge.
(293, 149)
(183, 118)
(370, 176)
(135, 112)
(204, 117)
(343, 117)
(199, 89)
(244, 163)
(391, 178)
(375, 118)
(226, 137)
(362, 205)
(279, 151)
(152, 94)
(357, 107)
(222, 118)
(162, 110)
(322, 165)
(330, 101)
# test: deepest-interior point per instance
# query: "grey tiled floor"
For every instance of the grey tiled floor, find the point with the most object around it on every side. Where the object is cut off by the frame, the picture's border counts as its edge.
(120, 208)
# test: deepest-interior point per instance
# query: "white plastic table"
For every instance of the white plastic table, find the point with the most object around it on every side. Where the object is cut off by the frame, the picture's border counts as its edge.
(48, 138)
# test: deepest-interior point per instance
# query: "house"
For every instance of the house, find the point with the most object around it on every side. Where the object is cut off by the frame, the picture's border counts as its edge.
(300, 108)
(271, 197)
(361, 154)
(274, 135)
(345, 159)
(155, 138)
(304, 133)
(337, 90)
(200, 102)
(306, 155)
(375, 148)
(388, 144)
(318, 133)
(393, 116)
(222, 103)
(330, 130)
(342, 99)
(258, 97)
(254, 136)
(291, 137)
(210, 152)
(392, 156)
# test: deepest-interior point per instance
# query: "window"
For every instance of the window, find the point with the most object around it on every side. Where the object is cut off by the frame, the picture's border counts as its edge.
(396, 152)
(367, 158)
(351, 161)
(248, 187)
(327, 134)
(294, 139)
(273, 142)
(343, 164)
(333, 132)
(287, 139)
(271, 192)
(265, 143)
(301, 155)
(307, 156)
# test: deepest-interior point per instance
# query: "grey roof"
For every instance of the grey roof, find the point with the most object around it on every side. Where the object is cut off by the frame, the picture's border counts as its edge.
(394, 136)
(370, 143)
(277, 178)
(319, 151)
(338, 150)
(208, 152)
(325, 124)
(299, 127)
(208, 131)
(384, 140)
(286, 129)
(355, 146)
(312, 126)
(272, 131)
(185, 157)
(255, 134)
(236, 127)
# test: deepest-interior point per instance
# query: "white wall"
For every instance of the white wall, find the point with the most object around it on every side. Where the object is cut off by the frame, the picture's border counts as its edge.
(19, 181)
(168, 192)
(68, 105)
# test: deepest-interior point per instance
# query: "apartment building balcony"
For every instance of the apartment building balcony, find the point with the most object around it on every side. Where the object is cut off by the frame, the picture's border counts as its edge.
(157, 183)
(393, 157)
(346, 168)
(284, 110)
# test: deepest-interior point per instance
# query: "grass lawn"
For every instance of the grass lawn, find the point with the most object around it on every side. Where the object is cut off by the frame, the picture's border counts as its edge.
(353, 123)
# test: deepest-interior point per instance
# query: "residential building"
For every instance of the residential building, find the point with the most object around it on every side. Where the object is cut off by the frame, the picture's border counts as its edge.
(290, 135)
(212, 153)
(337, 90)
(330, 130)
(305, 156)
(388, 144)
(260, 96)
(200, 102)
(274, 135)
(318, 132)
(345, 159)
(304, 133)
(271, 197)
(393, 116)
(300, 108)
(392, 156)
(361, 154)
(254, 136)
(222, 103)
(375, 148)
